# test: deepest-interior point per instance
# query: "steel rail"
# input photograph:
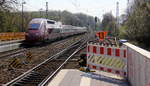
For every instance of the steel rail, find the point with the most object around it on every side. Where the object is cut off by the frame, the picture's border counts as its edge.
(45, 81)
(29, 71)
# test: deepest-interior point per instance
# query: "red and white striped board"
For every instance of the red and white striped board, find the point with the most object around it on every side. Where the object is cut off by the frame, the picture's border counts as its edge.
(106, 51)
(107, 69)
(94, 51)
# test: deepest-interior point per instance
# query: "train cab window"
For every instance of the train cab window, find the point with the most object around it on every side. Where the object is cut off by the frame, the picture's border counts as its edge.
(50, 22)
(34, 26)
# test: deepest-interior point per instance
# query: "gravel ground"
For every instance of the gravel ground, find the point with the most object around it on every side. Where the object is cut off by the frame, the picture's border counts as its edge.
(73, 62)
(39, 54)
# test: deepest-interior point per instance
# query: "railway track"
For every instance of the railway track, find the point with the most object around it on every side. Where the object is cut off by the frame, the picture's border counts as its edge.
(20, 50)
(39, 54)
(14, 53)
(48, 68)
(69, 60)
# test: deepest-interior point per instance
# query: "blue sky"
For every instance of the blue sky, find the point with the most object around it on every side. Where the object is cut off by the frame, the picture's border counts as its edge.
(90, 7)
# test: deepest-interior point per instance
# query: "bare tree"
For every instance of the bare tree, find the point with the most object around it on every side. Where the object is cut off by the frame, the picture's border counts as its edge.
(6, 5)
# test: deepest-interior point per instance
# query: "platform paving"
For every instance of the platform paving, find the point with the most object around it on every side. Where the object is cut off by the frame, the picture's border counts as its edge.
(10, 42)
(74, 77)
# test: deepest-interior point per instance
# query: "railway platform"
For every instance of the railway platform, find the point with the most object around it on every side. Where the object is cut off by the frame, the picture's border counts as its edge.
(74, 77)
(9, 45)
(10, 42)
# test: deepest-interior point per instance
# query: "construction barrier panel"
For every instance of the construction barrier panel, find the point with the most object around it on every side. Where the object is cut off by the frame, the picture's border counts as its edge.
(107, 58)
(12, 36)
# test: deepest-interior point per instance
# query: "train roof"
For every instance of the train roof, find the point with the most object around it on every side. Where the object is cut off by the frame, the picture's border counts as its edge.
(42, 19)
(72, 27)
(39, 20)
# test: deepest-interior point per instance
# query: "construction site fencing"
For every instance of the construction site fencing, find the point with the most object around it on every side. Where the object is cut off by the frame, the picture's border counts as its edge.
(12, 36)
(107, 58)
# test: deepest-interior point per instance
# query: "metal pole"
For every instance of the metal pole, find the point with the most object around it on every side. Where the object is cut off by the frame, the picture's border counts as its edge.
(41, 12)
(47, 10)
(95, 22)
(117, 17)
(22, 17)
(60, 17)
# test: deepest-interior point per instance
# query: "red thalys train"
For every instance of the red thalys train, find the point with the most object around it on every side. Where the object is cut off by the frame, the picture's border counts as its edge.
(40, 29)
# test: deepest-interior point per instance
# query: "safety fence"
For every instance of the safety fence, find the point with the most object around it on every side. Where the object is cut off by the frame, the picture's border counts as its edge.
(107, 58)
(12, 36)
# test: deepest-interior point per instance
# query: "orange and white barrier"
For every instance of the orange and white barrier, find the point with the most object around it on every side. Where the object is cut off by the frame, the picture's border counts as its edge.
(108, 59)
(106, 51)
(107, 69)
(12, 36)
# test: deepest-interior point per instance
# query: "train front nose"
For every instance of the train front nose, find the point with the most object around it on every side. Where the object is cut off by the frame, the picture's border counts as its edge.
(33, 36)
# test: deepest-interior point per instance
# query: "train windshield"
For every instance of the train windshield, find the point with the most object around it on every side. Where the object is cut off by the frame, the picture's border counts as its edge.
(34, 26)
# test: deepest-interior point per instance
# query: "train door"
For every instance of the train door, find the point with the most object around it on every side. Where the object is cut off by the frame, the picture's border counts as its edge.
(45, 36)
